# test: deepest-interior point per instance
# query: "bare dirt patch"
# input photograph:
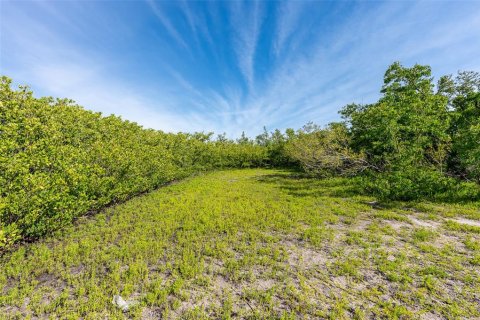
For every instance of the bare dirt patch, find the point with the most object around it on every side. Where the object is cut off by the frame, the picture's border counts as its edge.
(397, 225)
(423, 223)
(467, 221)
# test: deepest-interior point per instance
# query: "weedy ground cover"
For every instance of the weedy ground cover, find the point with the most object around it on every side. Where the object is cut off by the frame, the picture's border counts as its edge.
(253, 244)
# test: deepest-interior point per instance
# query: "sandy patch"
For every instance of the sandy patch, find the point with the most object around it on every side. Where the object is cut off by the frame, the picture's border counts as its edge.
(466, 221)
(423, 223)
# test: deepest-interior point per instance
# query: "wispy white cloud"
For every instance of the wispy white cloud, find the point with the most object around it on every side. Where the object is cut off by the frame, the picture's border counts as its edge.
(167, 23)
(336, 72)
(313, 87)
(93, 89)
(288, 15)
(52, 66)
(247, 24)
(342, 65)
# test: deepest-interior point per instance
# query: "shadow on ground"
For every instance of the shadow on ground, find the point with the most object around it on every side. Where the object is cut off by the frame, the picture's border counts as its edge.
(299, 185)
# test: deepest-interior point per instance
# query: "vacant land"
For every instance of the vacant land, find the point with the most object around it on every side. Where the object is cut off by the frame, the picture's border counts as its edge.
(253, 244)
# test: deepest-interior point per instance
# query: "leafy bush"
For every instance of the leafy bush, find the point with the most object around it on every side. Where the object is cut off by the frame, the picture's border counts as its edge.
(58, 161)
(408, 183)
(465, 158)
(324, 152)
(276, 144)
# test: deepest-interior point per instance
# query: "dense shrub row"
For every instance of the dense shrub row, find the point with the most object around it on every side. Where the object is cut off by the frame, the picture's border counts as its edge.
(58, 161)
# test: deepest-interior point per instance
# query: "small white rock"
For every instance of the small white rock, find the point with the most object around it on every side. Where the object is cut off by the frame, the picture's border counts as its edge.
(119, 302)
(391, 258)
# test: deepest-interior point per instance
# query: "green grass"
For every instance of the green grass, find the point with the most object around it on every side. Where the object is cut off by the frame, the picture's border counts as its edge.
(251, 244)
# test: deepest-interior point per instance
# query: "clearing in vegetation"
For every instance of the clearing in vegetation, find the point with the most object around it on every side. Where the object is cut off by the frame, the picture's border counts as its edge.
(253, 243)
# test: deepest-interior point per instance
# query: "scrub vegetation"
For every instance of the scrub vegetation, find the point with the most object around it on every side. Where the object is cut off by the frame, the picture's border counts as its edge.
(376, 216)
(59, 161)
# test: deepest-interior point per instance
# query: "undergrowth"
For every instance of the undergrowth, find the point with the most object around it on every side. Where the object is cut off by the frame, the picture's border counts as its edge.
(252, 244)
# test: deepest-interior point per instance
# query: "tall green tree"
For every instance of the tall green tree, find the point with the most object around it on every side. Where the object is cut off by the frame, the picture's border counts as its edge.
(405, 134)
(464, 95)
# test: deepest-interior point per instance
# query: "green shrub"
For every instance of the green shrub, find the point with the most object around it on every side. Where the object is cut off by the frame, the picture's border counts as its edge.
(325, 152)
(408, 184)
(58, 161)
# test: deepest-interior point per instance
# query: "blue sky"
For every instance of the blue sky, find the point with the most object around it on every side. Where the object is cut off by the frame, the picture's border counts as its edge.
(229, 66)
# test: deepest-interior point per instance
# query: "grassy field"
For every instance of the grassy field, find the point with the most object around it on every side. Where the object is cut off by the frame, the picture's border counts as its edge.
(253, 244)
